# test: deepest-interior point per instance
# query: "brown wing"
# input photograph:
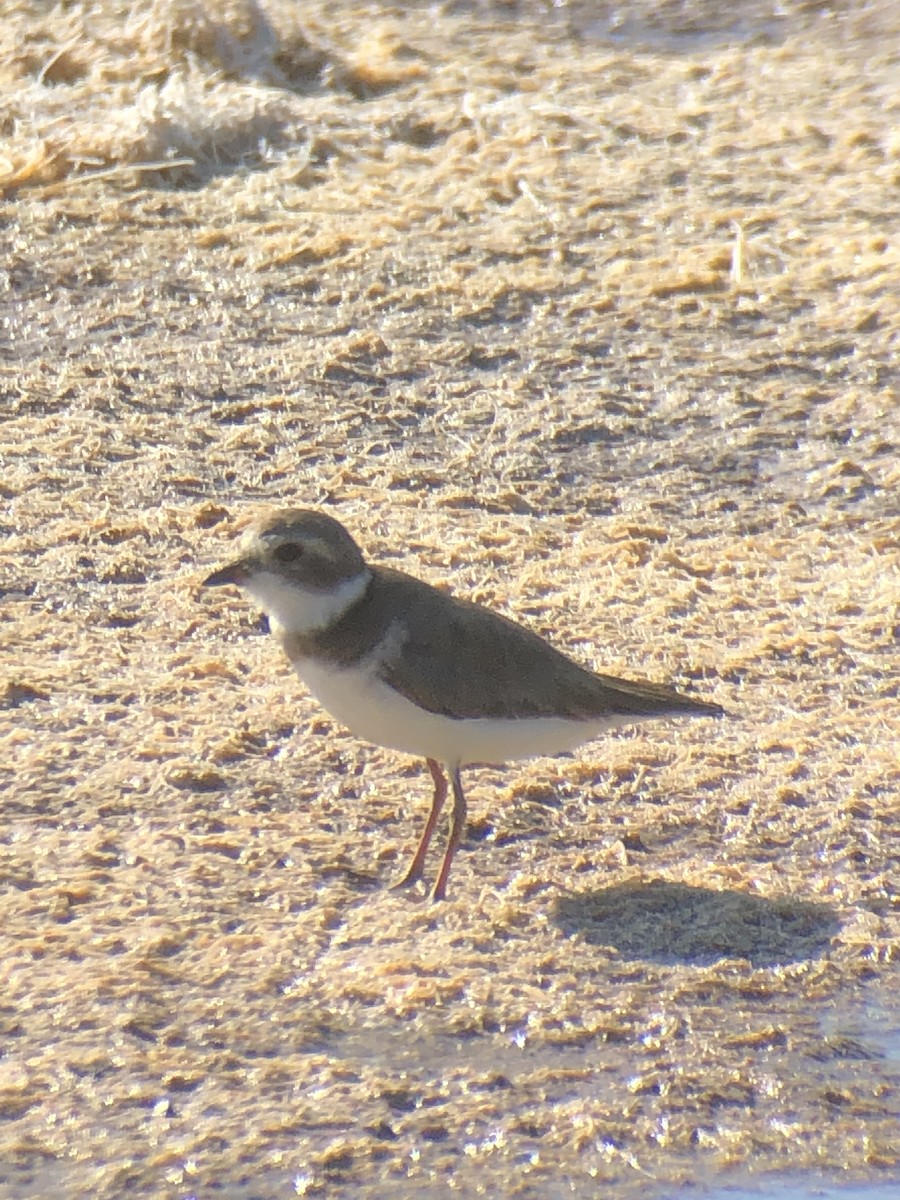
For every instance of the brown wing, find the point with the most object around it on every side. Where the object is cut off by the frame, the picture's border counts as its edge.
(516, 673)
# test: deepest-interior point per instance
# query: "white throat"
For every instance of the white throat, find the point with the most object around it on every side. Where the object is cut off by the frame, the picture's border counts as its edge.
(295, 609)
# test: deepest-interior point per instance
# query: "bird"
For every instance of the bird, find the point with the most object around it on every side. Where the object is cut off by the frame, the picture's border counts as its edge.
(411, 667)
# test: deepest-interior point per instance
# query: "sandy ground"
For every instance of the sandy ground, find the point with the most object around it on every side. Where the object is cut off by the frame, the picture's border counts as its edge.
(589, 314)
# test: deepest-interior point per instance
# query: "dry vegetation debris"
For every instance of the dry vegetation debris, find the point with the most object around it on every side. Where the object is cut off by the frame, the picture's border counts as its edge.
(590, 314)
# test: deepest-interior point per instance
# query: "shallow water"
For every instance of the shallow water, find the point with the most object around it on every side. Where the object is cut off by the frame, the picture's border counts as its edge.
(872, 1021)
(794, 1188)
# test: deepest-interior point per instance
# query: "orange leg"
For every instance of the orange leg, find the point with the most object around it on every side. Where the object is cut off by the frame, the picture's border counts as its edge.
(457, 829)
(417, 866)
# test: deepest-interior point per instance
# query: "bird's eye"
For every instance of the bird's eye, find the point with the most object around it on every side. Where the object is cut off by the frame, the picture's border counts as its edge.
(287, 553)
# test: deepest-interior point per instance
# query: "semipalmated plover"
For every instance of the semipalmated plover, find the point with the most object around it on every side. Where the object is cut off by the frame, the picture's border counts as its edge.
(410, 667)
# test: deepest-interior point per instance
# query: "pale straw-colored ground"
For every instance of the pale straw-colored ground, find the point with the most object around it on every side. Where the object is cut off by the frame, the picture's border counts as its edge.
(601, 330)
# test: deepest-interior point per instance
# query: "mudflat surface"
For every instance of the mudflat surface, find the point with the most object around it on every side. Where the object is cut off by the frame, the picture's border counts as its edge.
(589, 314)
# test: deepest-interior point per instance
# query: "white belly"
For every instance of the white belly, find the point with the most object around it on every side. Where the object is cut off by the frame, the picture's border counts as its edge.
(374, 711)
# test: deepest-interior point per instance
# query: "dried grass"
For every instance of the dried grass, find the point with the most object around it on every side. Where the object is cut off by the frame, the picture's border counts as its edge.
(471, 281)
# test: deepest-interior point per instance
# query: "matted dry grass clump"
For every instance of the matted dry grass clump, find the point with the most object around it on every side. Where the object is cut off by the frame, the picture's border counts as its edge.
(589, 314)
(176, 86)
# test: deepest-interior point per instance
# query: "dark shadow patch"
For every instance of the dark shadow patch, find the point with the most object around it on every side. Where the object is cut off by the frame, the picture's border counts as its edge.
(14, 694)
(673, 923)
(482, 359)
(574, 437)
(421, 135)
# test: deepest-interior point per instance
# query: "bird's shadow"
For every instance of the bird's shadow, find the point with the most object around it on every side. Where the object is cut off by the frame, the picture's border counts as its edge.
(675, 923)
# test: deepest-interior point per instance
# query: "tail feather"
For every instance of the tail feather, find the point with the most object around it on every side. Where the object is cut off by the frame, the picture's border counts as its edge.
(643, 699)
